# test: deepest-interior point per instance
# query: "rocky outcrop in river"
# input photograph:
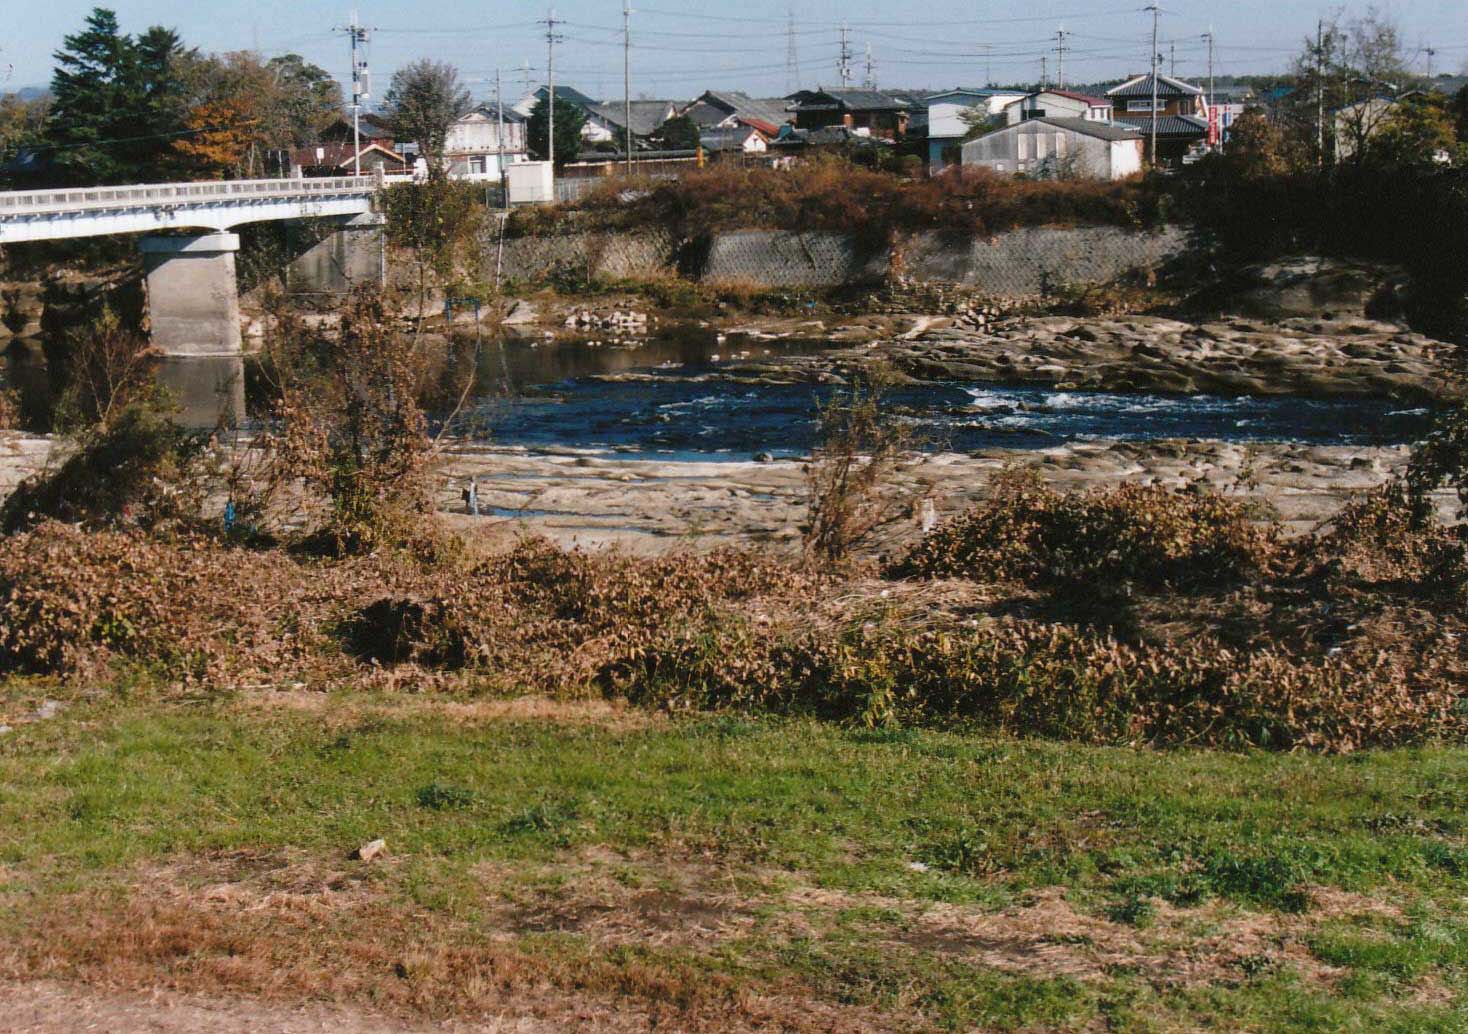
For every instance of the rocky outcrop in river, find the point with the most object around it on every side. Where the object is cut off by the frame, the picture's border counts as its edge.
(1320, 358)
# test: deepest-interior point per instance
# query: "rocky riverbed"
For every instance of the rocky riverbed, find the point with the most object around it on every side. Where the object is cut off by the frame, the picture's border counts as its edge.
(1313, 357)
(649, 506)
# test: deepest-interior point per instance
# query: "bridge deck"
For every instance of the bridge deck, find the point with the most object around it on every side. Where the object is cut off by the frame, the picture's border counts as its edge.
(34, 215)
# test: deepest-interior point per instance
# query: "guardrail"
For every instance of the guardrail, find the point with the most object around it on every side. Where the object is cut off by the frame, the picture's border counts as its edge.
(159, 194)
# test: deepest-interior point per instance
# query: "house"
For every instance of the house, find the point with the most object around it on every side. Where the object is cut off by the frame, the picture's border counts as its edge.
(1051, 147)
(1182, 114)
(865, 112)
(526, 104)
(606, 123)
(946, 125)
(335, 159)
(735, 142)
(729, 108)
(1058, 104)
(473, 145)
(371, 130)
(1355, 124)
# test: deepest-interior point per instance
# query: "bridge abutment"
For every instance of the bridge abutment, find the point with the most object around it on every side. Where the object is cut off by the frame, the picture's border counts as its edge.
(194, 310)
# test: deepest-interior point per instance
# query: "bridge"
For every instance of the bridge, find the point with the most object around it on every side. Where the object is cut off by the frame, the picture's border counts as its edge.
(193, 299)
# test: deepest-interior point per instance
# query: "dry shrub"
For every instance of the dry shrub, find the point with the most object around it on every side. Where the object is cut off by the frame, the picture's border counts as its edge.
(352, 428)
(1033, 678)
(72, 602)
(139, 468)
(107, 367)
(835, 195)
(860, 448)
(1132, 534)
(1384, 539)
(10, 415)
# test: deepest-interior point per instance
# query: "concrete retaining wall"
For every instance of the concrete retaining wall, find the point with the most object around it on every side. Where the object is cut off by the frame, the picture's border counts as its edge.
(1025, 263)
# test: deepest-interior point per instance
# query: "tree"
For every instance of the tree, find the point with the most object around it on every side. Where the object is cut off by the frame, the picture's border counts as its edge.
(307, 97)
(570, 120)
(1418, 131)
(1349, 71)
(219, 137)
(22, 122)
(978, 121)
(272, 106)
(118, 102)
(1458, 111)
(1254, 148)
(423, 101)
(677, 134)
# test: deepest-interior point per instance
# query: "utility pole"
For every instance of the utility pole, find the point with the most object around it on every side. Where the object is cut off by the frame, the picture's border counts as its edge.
(1044, 71)
(627, 77)
(361, 86)
(551, 39)
(1172, 59)
(1320, 91)
(843, 63)
(871, 77)
(1431, 53)
(1153, 8)
(1209, 37)
(988, 64)
(1060, 57)
(792, 57)
(499, 136)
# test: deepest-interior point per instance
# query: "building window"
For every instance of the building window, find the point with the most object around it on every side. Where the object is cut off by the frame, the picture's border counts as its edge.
(1144, 105)
(1024, 147)
(476, 163)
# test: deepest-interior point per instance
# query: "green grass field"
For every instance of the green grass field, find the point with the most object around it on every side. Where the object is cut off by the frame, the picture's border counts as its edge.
(725, 872)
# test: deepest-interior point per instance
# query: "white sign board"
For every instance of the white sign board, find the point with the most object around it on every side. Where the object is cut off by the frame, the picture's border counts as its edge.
(531, 183)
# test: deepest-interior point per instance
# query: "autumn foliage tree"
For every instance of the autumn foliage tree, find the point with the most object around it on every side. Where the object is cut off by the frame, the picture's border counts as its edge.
(219, 137)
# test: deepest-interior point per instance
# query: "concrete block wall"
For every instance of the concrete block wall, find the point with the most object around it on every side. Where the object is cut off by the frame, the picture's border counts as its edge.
(1024, 263)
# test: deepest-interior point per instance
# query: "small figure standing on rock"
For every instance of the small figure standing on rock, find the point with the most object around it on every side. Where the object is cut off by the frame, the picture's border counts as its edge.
(471, 497)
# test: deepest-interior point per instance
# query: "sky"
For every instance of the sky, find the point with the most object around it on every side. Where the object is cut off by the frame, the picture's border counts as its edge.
(682, 47)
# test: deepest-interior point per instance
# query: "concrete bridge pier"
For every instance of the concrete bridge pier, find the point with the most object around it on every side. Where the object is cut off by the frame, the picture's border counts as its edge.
(352, 255)
(194, 309)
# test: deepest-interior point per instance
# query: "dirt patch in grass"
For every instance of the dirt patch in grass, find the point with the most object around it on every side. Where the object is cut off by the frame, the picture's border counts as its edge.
(280, 929)
(613, 714)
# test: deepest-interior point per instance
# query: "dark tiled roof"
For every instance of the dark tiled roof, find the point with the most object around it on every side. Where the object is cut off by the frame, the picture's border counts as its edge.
(850, 100)
(566, 93)
(1089, 127)
(1167, 86)
(1168, 125)
(647, 116)
(1086, 98)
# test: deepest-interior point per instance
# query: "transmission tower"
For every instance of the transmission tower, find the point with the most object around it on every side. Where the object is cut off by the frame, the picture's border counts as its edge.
(1060, 49)
(792, 58)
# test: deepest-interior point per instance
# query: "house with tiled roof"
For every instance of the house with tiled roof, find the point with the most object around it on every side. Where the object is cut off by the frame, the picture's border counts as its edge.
(1182, 113)
(606, 123)
(728, 109)
(1056, 103)
(864, 112)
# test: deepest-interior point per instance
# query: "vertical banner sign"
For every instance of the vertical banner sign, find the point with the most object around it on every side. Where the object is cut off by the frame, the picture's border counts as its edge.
(1213, 129)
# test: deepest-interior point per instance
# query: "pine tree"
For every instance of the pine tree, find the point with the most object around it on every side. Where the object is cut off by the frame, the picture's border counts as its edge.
(118, 103)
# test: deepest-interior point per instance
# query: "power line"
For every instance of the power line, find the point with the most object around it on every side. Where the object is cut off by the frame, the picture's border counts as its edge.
(792, 58)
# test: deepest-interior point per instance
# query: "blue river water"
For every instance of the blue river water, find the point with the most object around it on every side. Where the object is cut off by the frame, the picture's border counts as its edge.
(679, 407)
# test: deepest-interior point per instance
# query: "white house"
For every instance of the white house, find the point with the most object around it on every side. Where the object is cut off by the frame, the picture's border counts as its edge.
(473, 143)
(1058, 104)
(1059, 147)
(946, 127)
(740, 140)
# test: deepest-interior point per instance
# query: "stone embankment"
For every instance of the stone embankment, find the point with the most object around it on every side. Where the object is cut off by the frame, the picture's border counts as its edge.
(1313, 357)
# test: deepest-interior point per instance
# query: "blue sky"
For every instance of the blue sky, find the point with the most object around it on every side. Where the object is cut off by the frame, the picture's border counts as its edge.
(682, 48)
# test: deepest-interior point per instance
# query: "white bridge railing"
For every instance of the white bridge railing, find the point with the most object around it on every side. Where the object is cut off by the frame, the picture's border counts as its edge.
(162, 195)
